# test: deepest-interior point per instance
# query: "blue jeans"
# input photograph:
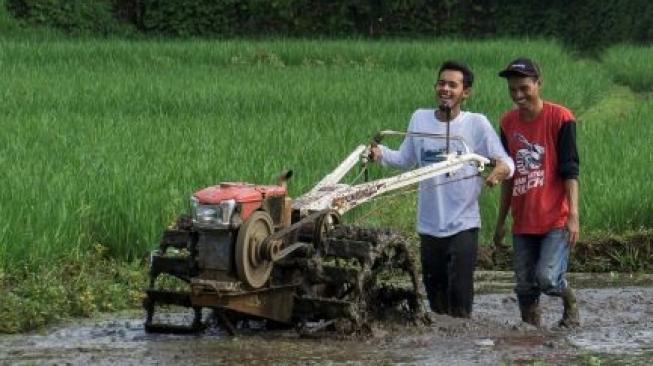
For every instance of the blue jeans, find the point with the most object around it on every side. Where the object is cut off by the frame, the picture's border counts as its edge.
(540, 263)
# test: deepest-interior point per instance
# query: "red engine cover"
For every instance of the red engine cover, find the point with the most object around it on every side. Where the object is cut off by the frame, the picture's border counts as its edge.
(239, 191)
(249, 196)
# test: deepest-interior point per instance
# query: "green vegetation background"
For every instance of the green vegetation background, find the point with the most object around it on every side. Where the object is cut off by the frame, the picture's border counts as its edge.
(104, 140)
(583, 24)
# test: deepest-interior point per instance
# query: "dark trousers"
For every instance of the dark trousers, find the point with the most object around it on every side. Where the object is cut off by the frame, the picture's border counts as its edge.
(448, 271)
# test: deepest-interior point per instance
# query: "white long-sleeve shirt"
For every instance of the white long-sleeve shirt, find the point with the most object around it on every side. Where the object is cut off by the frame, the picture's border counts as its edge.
(447, 205)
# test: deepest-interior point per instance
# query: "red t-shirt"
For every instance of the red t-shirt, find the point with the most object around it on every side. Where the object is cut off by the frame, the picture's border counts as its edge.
(539, 200)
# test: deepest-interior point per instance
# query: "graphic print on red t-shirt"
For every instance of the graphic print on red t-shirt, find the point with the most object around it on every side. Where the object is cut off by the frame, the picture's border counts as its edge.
(529, 161)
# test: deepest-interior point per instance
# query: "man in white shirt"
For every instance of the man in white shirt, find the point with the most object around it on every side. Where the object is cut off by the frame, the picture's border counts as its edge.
(448, 216)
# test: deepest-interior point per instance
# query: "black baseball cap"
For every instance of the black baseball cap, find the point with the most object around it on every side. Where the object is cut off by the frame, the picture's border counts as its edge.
(521, 67)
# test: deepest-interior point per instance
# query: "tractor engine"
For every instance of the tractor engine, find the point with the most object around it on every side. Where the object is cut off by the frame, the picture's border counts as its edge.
(230, 222)
(222, 254)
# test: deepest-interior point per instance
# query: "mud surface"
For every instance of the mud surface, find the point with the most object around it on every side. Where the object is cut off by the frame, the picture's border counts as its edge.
(617, 329)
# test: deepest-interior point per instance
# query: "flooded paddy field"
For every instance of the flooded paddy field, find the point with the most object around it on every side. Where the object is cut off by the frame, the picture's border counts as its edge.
(617, 328)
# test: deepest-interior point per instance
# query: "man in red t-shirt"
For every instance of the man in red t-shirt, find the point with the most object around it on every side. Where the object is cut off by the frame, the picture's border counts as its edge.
(543, 194)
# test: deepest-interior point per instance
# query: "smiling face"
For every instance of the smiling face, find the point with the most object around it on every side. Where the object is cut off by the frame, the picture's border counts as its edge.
(450, 90)
(525, 92)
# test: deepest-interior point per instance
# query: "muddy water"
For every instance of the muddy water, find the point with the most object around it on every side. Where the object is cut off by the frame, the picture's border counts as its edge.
(617, 329)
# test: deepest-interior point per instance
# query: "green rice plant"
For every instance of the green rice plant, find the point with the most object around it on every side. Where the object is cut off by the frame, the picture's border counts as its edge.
(104, 140)
(630, 66)
(628, 260)
(614, 143)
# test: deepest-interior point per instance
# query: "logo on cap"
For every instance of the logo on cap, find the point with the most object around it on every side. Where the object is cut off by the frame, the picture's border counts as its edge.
(521, 66)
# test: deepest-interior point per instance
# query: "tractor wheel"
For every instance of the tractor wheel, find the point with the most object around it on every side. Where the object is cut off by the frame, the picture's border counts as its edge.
(363, 275)
(251, 268)
(323, 225)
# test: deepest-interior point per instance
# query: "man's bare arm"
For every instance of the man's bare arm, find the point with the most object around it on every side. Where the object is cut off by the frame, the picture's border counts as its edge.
(504, 207)
(573, 225)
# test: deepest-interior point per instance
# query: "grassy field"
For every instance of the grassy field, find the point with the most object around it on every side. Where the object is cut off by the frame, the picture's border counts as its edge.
(629, 66)
(104, 140)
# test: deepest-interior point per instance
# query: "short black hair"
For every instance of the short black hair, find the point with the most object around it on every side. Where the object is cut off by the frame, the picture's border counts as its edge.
(468, 75)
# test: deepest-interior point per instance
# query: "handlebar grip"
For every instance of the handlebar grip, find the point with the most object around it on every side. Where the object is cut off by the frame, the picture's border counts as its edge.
(376, 139)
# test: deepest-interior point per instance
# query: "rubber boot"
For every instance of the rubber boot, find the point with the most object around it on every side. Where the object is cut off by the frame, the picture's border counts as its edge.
(570, 317)
(531, 314)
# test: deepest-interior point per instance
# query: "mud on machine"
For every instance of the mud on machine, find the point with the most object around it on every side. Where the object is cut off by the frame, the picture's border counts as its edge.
(251, 252)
